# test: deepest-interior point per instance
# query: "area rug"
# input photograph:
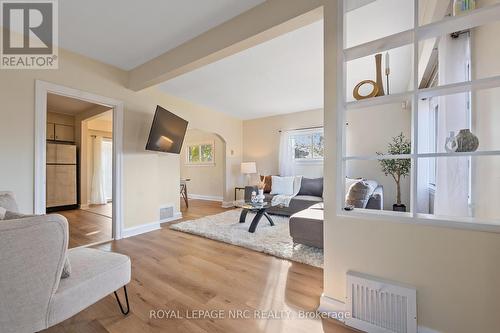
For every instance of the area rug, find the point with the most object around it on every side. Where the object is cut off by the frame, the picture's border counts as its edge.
(273, 240)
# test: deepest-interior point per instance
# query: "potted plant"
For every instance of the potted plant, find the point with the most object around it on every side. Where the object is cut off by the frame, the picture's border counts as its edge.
(397, 168)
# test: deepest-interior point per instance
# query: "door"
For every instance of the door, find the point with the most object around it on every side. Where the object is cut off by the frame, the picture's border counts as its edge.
(51, 131)
(64, 133)
(61, 185)
(65, 154)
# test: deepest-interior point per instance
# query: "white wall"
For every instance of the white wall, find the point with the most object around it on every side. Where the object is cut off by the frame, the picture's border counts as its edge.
(205, 180)
(261, 141)
(150, 179)
(369, 131)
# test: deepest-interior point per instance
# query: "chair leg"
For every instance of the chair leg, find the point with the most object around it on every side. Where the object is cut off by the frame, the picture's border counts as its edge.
(126, 299)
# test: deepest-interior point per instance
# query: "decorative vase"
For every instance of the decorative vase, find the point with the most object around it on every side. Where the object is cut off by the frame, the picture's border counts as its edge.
(254, 197)
(261, 196)
(466, 141)
(451, 144)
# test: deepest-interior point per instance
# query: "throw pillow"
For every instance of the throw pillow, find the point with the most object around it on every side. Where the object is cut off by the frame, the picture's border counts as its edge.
(268, 180)
(2, 213)
(66, 272)
(282, 185)
(359, 194)
(312, 187)
(14, 215)
(8, 202)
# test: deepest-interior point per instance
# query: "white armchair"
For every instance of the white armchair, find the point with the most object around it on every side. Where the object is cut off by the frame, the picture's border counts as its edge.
(32, 294)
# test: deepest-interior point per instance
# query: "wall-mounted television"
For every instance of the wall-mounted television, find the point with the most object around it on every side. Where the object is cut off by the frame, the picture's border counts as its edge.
(167, 132)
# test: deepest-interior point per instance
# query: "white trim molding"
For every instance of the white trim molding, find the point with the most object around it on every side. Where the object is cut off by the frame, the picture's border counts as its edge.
(332, 308)
(140, 229)
(42, 88)
(205, 197)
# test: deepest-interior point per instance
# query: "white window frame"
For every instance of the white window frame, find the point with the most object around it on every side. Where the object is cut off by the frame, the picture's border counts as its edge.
(478, 17)
(309, 131)
(200, 163)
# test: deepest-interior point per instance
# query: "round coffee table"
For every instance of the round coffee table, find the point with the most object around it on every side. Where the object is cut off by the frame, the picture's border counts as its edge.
(259, 210)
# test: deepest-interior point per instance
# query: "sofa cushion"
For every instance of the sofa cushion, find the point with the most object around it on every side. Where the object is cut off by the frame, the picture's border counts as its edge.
(282, 185)
(94, 273)
(306, 227)
(8, 201)
(312, 186)
(308, 198)
(267, 183)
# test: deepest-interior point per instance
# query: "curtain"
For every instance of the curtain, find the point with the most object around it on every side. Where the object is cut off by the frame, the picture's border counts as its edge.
(286, 160)
(452, 174)
(107, 146)
(98, 187)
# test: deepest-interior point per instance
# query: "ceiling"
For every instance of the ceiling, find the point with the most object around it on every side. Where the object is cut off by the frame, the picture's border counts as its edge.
(68, 105)
(128, 33)
(285, 74)
(280, 76)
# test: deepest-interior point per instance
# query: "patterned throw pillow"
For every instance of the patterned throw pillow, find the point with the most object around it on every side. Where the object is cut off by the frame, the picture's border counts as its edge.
(359, 194)
(268, 182)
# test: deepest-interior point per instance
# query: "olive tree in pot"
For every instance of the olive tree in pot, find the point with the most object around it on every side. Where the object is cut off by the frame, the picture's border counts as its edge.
(397, 168)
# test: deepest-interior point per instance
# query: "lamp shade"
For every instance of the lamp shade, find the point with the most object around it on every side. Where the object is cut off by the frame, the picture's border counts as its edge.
(248, 167)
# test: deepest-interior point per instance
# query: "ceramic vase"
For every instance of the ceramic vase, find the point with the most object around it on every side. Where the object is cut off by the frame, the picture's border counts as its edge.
(466, 141)
(261, 196)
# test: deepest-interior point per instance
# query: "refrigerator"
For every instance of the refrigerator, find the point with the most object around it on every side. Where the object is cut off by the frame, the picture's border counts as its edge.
(61, 181)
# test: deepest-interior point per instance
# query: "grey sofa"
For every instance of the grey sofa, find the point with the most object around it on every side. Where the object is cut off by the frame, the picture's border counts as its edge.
(306, 226)
(32, 255)
(301, 202)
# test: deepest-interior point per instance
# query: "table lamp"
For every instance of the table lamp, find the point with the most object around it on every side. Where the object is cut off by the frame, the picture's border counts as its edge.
(248, 168)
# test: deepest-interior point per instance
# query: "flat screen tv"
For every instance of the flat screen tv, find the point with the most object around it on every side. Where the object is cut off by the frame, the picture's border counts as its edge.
(167, 132)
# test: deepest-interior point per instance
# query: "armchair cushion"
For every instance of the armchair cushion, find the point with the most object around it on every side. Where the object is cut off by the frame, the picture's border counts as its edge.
(95, 273)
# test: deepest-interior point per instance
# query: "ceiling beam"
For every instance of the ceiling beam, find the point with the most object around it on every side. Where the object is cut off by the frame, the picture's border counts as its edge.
(255, 26)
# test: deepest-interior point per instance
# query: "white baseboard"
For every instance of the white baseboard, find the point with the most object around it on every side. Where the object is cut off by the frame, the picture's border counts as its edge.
(140, 229)
(333, 308)
(177, 216)
(84, 206)
(423, 329)
(205, 197)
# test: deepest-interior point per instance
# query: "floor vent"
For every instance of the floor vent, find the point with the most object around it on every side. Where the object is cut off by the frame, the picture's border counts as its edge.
(166, 213)
(379, 306)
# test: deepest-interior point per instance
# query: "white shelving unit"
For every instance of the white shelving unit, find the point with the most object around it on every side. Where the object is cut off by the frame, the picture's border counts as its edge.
(478, 17)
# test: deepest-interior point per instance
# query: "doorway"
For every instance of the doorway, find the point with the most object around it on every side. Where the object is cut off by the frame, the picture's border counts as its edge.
(78, 162)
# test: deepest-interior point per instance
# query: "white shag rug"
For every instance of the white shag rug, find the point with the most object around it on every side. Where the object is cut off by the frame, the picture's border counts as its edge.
(276, 241)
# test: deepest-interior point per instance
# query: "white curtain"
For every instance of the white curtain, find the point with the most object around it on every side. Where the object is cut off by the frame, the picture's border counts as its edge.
(452, 174)
(107, 146)
(286, 160)
(98, 188)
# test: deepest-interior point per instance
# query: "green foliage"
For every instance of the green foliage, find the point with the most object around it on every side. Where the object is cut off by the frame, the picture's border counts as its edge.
(397, 168)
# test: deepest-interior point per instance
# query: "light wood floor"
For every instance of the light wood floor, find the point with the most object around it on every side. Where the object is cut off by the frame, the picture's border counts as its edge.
(176, 271)
(88, 226)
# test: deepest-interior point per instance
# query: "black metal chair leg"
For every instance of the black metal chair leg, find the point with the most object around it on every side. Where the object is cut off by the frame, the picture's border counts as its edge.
(126, 299)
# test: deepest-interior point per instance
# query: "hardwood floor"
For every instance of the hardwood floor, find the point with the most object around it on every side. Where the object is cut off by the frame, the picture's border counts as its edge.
(87, 227)
(105, 210)
(174, 271)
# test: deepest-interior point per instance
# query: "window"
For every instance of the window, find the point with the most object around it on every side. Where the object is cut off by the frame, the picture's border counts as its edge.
(307, 145)
(459, 108)
(201, 154)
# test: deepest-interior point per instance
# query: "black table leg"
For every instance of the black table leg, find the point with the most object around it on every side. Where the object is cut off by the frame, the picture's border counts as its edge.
(256, 220)
(271, 222)
(243, 215)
